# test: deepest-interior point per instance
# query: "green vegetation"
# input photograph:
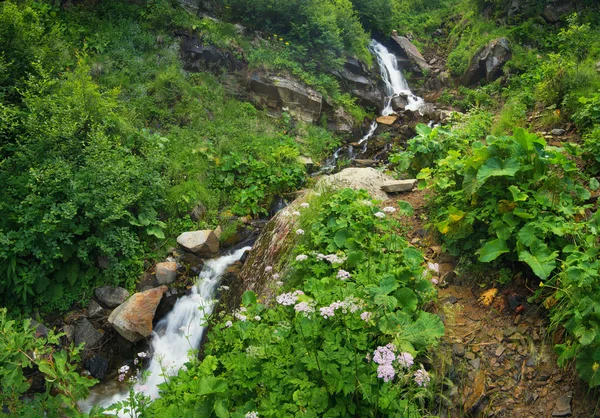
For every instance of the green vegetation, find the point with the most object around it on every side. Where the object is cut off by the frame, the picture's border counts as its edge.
(314, 349)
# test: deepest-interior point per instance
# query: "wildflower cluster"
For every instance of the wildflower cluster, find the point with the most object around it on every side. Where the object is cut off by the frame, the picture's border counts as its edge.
(343, 274)
(385, 356)
(422, 377)
(290, 298)
(389, 209)
(305, 307)
(380, 215)
(350, 304)
(239, 314)
(332, 258)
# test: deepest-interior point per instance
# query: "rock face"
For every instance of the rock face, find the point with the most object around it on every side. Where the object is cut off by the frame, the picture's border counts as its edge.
(133, 318)
(86, 333)
(201, 243)
(341, 122)
(358, 178)
(356, 79)
(488, 62)
(166, 272)
(110, 296)
(410, 52)
(278, 92)
(197, 57)
(97, 366)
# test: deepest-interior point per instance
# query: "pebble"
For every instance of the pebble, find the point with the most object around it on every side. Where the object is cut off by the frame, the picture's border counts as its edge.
(499, 351)
(562, 408)
(475, 363)
(458, 349)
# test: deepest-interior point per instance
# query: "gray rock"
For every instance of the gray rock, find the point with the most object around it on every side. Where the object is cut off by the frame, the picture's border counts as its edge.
(396, 186)
(111, 297)
(399, 102)
(86, 333)
(41, 331)
(201, 243)
(278, 92)
(411, 52)
(97, 366)
(197, 57)
(69, 331)
(166, 272)
(458, 349)
(356, 79)
(94, 309)
(133, 318)
(562, 408)
(488, 62)
(557, 132)
(369, 179)
(475, 363)
(341, 122)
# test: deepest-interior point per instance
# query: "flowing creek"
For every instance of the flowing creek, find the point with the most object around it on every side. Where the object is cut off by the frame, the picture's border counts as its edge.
(174, 336)
(395, 86)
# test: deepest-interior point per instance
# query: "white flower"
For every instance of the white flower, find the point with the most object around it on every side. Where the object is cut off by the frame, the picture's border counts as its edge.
(228, 324)
(124, 369)
(296, 213)
(389, 209)
(304, 205)
(279, 283)
(252, 414)
(300, 231)
(433, 267)
(276, 276)
(301, 257)
(142, 354)
(380, 215)
(434, 281)
(268, 268)
(257, 318)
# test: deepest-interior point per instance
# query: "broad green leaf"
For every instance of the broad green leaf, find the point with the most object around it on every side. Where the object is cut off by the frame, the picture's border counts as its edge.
(355, 258)
(340, 238)
(221, 409)
(249, 298)
(156, 231)
(495, 167)
(594, 184)
(423, 129)
(210, 384)
(407, 299)
(588, 365)
(388, 302)
(412, 257)
(540, 259)
(517, 194)
(527, 235)
(425, 331)
(387, 285)
(492, 250)
(406, 208)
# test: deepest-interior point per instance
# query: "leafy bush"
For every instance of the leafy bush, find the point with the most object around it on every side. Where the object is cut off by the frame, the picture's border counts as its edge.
(22, 354)
(315, 352)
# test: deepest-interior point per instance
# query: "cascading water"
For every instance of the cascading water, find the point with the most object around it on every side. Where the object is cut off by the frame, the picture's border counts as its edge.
(395, 85)
(177, 333)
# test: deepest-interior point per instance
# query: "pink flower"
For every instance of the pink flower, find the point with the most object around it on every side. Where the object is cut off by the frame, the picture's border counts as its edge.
(422, 377)
(405, 359)
(386, 372)
(365, 316)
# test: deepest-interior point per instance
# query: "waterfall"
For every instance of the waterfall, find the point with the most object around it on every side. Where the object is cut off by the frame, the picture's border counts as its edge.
(395, 85)
(177, 333)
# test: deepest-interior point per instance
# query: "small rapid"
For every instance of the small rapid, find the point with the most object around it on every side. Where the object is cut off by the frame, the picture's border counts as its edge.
(175, 336)
(395, 85)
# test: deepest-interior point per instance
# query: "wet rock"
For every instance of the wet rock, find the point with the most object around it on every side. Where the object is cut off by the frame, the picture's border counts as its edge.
(409, 51)
(557, 132)
(94, 309)
(197, 57)
(356, 79)
(167, 302)
(201, 243)
(111, 297)
(399, 102)
(342, 122)
(387, 120)
(87, 334)
(475, 393)
(97, 366)
(278, 92)
(429, 111)
(488, 62)
(133, 318)
(562, 408)
(166, 272)
(397, 186)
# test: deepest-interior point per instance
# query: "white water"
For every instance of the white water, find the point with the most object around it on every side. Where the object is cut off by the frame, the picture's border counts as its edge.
(178, 332)
(395, 85)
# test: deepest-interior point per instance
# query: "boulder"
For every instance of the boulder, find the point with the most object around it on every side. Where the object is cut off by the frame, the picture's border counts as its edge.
(428, 111)
(96, 365)
(201, 243)
(166, 272)
(111, 297)
(86, 333)
(357, 80)
(41, 331)
(557, 132)
(133, 318)
(397, 186)
(399, 102)
(387, 120)
(341, 122)
(410, 52)
(554, 13)
(94, 309)
(197, 57)
(369, 179)
(488, 62)
(277, 92)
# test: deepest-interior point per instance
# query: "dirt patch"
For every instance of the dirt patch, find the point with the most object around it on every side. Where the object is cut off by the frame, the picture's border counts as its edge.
(497, 354)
